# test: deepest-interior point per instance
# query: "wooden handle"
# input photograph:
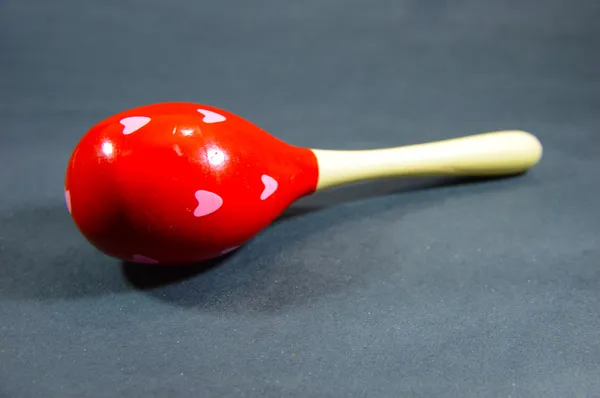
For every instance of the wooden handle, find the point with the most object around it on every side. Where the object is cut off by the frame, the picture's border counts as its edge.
(488, 154)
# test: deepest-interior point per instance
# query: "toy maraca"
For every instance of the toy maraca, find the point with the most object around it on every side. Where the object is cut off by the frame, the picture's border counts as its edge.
(178, 183)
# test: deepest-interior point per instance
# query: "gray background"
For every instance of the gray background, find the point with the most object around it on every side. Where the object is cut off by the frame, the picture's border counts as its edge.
(395, 288)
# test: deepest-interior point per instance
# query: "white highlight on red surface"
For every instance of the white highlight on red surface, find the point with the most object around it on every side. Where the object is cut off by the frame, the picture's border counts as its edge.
(108, 148)
(68, 200)
(177, 150)
(134, 123)
(143, 259)
(211, 117)
(208, 202)
(216, 156)
(187, 132)
(270, 186)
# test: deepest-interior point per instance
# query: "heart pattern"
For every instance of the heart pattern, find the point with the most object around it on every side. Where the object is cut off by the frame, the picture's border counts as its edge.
(68, 200)
(136, 258)
(270, 186)
(228, 250)
(208, 202)
(211, 117)
(134, 123)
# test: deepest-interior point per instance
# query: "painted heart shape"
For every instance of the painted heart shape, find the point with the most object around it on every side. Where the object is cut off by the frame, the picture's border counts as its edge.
(68, 200)
(211, 117)
(134, 123)
(208, 202)
(228, 250)
(136, 258)
(270, 186)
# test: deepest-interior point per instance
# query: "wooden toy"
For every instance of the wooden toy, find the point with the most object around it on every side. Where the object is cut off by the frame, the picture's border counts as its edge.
(178, 183)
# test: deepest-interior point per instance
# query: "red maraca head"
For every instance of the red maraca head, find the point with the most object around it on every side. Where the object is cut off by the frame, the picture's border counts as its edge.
(179, 182)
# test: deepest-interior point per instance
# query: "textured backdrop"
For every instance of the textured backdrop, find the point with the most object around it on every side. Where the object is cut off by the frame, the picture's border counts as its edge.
(387, 289)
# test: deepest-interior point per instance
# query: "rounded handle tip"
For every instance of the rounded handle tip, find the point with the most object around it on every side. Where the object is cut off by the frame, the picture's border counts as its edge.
(527, 145)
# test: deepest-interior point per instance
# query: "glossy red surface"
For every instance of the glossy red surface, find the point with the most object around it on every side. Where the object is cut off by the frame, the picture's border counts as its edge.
(179, 183)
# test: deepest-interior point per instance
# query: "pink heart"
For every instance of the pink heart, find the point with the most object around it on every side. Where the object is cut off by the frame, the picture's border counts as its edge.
(270, 186)
(68, 200)
(228, 250)
(134, 123)
(136, 258)
(208, 202)
(211, 117)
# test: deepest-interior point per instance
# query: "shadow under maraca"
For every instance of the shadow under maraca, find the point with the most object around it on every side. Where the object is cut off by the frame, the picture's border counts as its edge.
(44, 257)
(274, 271)
(147, 276)
(376, 189)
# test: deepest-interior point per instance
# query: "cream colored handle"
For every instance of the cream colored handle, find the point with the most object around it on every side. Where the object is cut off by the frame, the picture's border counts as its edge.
(488, 154)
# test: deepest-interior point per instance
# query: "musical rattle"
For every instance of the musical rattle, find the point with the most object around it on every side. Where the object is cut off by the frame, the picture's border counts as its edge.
(178, 183)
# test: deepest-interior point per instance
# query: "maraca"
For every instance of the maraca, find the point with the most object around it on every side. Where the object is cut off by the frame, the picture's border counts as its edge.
(178, 183)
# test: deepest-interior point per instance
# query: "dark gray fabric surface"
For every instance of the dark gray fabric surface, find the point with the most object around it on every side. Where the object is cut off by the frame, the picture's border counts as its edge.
(387, 289)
